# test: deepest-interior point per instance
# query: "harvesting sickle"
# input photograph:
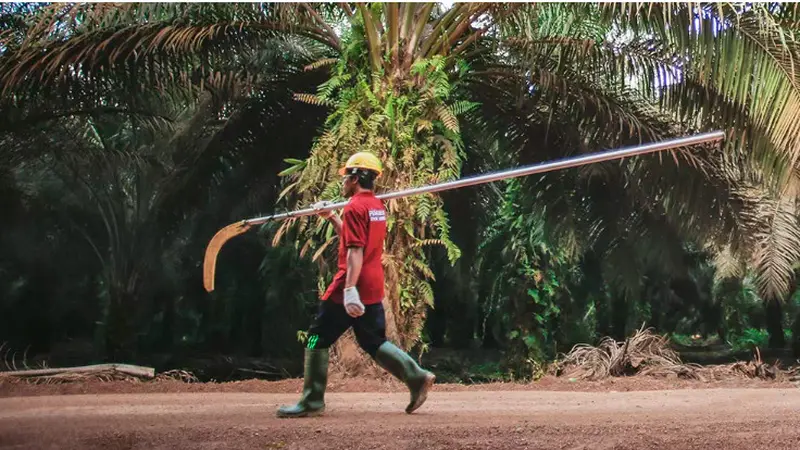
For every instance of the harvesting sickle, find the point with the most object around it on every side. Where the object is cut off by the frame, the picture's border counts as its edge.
(240, 227)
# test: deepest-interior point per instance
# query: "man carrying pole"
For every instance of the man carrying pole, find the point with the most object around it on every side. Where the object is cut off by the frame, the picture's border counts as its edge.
(354, 298)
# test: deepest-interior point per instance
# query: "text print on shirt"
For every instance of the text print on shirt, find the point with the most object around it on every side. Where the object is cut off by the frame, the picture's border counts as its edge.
(377, 215)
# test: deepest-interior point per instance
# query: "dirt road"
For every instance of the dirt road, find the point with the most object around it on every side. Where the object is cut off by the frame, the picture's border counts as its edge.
(675, 419)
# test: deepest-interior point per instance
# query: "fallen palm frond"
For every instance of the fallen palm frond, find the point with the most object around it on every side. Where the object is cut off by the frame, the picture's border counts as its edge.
(102, 372)
(70, 377)
(646, 353)
(97, 372)
(181, 375)
(642, 352)
(794, 373)
(10, 358)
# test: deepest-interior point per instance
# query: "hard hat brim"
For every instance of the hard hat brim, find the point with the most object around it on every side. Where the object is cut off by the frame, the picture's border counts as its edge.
(343, 170)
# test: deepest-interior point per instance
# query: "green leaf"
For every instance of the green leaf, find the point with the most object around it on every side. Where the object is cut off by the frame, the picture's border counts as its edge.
(530, 341)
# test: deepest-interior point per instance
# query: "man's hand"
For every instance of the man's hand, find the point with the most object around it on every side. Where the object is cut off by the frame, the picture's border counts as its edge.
(352, 302)
(328, 215)
(322, 204)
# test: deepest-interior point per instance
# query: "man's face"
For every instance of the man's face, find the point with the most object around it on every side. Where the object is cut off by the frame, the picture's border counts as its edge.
(348, 185)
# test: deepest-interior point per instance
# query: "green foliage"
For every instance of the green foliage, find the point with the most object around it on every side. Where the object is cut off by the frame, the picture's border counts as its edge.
(488, 372)
(528, 285)
(741, 306)
(682, 339)
(749, 339)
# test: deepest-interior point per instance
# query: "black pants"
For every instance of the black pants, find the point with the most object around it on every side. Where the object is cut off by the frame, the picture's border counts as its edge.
(332, 321)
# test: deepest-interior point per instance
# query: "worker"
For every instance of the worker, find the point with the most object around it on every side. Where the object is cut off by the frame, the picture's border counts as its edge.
(355, 296)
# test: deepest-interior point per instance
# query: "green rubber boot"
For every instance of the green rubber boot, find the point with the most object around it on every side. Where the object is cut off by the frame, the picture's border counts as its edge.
(402, 366)
(315, 379)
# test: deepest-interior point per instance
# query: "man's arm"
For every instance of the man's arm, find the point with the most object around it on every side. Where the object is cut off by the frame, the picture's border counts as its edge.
(354, 236)
(355, 257)
(337, 222)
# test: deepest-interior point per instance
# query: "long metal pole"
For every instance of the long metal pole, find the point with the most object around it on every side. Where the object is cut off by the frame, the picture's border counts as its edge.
(518, 172)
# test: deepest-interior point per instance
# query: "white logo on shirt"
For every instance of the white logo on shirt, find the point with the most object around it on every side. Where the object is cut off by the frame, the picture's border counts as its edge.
(377, 215)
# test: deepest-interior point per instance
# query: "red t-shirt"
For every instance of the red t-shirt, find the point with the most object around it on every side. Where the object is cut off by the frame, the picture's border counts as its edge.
(363, 225)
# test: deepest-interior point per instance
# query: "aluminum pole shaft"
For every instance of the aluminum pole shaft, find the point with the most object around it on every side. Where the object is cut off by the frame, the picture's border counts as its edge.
(518, 172)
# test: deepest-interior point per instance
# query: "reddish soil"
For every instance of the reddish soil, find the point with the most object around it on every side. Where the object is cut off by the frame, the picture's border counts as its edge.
(633, 413)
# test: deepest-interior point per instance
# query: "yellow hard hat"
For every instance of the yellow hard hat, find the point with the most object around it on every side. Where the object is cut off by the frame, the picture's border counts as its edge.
(362, 160)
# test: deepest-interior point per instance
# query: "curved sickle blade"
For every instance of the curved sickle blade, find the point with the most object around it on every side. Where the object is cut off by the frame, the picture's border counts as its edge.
(213, 248)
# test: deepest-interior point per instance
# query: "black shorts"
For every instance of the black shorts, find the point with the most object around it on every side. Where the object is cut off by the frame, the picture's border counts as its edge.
(332, 321)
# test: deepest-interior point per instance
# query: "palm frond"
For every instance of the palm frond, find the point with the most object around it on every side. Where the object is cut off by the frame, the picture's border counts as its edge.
(777, 247)
(149, 43)
(727, 265)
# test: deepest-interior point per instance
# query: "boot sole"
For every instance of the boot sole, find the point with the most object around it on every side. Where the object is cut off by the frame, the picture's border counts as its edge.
(314, 413)
(423, 394)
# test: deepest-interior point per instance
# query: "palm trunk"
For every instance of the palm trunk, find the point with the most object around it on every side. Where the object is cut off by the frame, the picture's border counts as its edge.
(619, 318)
(439, 319)
(774, 318)
(168, 324)
(120, 337)
(603, 314)
(655, 310)
(256, 322)
(796, 336)
(485, 327)
(437, 324)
